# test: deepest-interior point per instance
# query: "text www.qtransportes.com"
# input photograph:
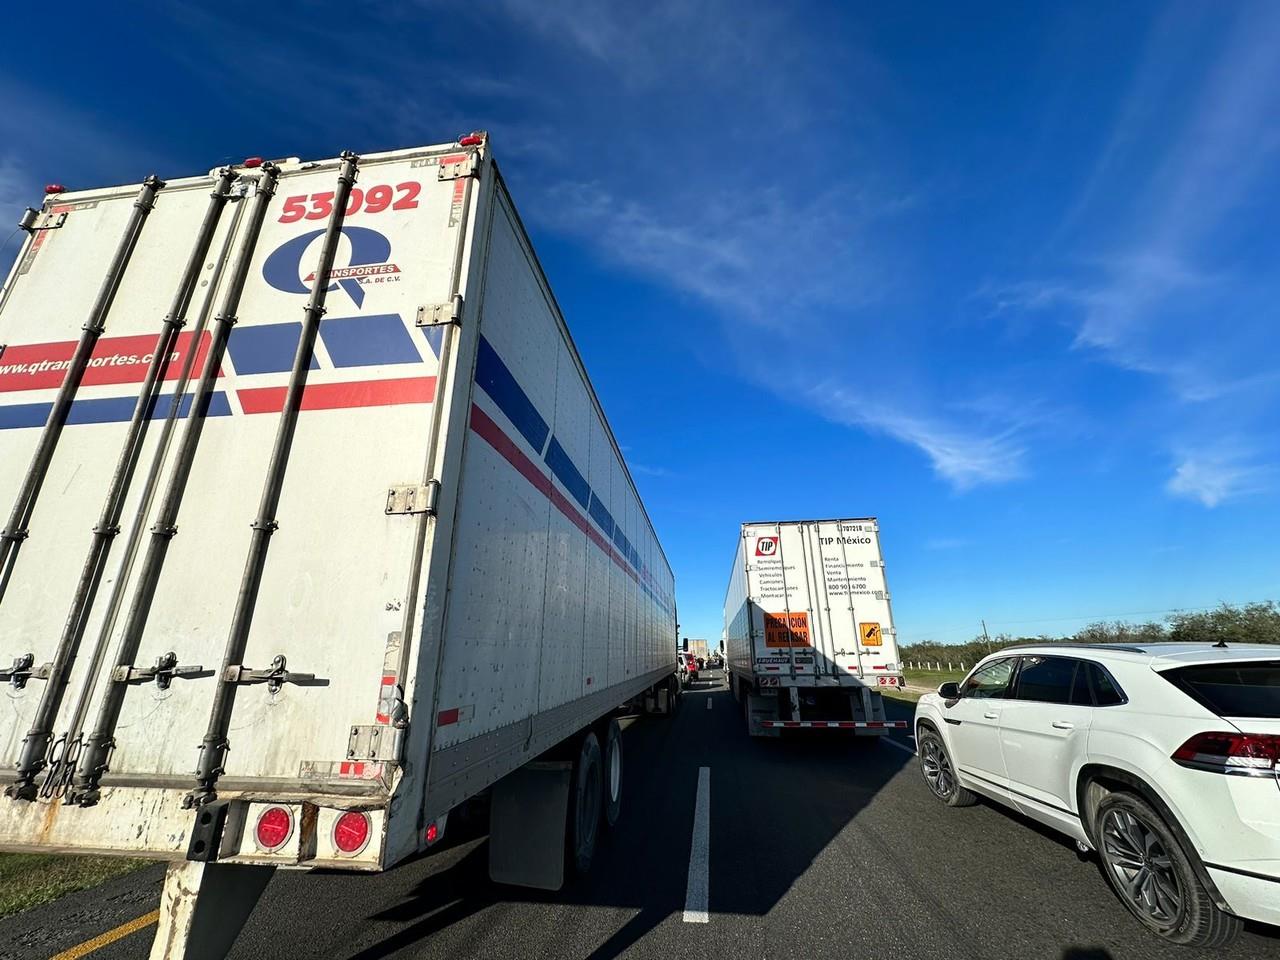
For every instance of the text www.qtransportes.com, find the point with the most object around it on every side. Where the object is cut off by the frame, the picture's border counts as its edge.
(114, 360)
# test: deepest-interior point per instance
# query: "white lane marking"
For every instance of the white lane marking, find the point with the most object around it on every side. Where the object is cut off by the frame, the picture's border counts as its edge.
(899, 744)
(708, 703)
(695, 898)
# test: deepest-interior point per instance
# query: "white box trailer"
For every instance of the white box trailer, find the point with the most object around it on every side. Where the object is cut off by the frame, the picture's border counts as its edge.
(809, 627)
(461, 577)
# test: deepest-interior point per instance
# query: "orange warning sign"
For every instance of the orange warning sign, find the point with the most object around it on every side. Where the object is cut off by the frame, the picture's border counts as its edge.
(870, 633)
(786, 630)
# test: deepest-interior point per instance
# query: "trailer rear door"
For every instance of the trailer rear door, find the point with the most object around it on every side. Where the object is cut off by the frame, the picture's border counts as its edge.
(339, 565)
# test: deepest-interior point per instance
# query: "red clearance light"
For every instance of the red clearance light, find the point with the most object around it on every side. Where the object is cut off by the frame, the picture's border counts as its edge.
(351, 831)
(51, 188)
(275, 825)
(252, 162)
(433, 832)
(1227, 752)
(471, 139)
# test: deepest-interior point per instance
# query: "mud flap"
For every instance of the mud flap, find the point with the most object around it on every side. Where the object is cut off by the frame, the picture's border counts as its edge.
(528, 814)
(758, 709)
(204, 906)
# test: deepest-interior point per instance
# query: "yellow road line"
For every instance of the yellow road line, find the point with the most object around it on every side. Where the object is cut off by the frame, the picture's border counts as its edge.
(111, 936)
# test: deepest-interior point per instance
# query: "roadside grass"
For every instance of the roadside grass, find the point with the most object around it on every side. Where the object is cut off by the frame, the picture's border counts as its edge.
(30, 879)
(931, 678)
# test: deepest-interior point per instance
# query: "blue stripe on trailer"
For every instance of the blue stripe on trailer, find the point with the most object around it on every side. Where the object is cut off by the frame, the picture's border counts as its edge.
(101, 410)
(567, 473)
(496, 380)
(379, 338)
(266, 348)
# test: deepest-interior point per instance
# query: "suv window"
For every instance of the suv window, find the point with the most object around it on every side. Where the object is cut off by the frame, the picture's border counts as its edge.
(1046, 679)
(1105, 691)
(989, 681)
(1232, 689)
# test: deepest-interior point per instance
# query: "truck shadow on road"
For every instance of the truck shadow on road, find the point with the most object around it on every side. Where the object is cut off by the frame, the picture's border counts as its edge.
(775, 802)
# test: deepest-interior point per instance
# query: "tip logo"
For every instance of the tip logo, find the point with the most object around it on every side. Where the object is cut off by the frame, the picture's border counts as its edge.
(766, 546)
(370, 257)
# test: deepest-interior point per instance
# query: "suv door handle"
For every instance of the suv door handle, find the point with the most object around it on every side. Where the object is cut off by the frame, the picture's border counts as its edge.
(1063, 725)
(991, 716)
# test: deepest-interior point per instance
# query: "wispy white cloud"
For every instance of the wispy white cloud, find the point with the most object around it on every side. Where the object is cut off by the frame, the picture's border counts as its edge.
(647, 470)
(1212, 477)
(1156, 292)
(945, 543)
(965, 456)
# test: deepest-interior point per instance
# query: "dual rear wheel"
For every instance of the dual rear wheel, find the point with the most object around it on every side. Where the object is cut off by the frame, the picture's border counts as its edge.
(595, 793)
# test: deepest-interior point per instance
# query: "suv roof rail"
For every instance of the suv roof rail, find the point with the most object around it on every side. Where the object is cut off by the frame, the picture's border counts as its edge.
(1073, 645)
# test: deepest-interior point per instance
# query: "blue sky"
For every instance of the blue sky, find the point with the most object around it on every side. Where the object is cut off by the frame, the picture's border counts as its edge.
(1003, 276)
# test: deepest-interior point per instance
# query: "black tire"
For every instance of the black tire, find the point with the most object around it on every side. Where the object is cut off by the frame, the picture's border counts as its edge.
(611, 795)
(585, 789)
(674, 696)
(1154, 877)
(938, 772)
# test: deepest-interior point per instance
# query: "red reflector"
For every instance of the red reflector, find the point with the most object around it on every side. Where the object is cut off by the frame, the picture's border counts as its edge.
(252, 162)
(1231, 751)
(275, 824)
(433, 832)
(51, 188)
(471, 140)
(351, 831)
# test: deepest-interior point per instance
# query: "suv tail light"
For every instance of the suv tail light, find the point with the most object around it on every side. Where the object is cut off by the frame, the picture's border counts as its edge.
(1242, 754)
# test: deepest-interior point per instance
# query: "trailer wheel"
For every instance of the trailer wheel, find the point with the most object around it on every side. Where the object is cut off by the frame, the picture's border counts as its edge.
(584, 805)
(612, 774)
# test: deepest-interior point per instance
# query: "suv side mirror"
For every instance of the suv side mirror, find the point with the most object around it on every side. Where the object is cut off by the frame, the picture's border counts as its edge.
(949, 690)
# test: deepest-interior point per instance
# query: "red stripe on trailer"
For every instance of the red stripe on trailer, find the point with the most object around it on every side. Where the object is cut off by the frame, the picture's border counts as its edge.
(878, 666)
(446, 717)
(483, 424)
(338, 396)
(773, 668)
(386, 695)
(43, 366)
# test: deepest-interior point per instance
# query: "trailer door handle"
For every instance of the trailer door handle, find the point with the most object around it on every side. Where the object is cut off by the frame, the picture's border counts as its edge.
(1063, 725)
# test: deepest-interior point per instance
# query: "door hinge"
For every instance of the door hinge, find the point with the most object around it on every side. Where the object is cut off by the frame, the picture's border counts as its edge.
(459, 169)
(413, 498)
(371, 742)
(34, 221)
(438, 314)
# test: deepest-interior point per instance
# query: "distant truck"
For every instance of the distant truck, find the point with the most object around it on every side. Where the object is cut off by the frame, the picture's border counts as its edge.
(462, 586)
(809, 628)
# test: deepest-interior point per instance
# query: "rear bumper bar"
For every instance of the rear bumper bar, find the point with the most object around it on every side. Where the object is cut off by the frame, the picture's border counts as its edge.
(837, 724)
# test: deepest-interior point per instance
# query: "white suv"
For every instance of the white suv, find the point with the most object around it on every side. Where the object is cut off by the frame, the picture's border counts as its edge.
(1165, 758)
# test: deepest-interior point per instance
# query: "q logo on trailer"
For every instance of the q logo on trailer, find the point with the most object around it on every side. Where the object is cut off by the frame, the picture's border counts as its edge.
(370, 261)
(767, 547)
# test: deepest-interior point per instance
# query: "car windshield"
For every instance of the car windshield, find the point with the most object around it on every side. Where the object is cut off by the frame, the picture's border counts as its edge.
(1232, 689)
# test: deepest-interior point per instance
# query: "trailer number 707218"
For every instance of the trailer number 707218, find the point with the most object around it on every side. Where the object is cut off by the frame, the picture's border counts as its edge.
(318, 206)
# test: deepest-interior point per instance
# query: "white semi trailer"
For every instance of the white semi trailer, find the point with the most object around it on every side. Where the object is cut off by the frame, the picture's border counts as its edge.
(311, 493)
(809, 627)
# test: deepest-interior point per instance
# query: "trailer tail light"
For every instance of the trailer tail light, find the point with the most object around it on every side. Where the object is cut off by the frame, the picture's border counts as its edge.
(435, 829)
(274, 827)
(52, 188)
(252, 163)
(351, 832)
(1241, 754)
(473, 139)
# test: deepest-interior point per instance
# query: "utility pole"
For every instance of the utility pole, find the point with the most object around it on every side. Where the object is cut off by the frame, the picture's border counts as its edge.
(985, 637)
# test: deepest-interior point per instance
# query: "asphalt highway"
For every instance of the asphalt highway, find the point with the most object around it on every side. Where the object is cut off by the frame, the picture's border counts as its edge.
(811, 846)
